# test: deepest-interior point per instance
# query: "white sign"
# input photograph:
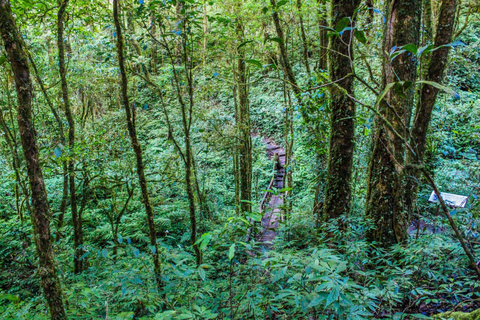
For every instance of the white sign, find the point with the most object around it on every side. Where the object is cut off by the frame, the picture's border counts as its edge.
(452, 200)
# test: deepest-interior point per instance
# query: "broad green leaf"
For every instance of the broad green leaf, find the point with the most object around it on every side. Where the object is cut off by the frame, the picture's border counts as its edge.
(411, 48)
(360, 36)
(441, 87)
(231, 252)
(342, 24)
(254, 62)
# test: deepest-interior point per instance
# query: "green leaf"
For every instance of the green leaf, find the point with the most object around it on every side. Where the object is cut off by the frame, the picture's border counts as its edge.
(231, 252)
(342, 24)
(383, 93)
(136, 252)
(275, 39)
(424, 49)
(104, 252)
(411, 48)
(203, 241)
(419, 316)
(360, 36)
(281, 3)
(58, 152)
(333, 296)
(244, 43)
(9, 297)
(201, 273)
(254, 62)
(440, 87)
(3, 59)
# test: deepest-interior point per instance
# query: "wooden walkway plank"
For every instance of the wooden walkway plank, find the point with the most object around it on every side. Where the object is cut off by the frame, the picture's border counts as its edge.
(272, 211)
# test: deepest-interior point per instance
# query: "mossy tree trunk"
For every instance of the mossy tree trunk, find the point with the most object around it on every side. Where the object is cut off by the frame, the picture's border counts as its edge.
(243, 123)
(137, 148)
(303, 36)
(428, 95)
(61, 138)
(322, 29)
(76, 216)
(386, 180)
(342, 120)
(40, 216)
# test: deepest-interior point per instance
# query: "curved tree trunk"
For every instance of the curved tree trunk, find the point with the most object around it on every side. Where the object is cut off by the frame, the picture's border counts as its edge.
(76, 217)
(386, 181)
(137, 148)
(61, 136)
(342, 143)
(40, 211)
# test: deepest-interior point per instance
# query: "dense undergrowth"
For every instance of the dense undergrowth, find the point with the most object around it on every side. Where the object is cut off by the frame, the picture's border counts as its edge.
(308, 274)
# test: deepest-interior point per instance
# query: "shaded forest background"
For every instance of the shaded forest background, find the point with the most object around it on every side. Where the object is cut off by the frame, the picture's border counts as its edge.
(199, 87)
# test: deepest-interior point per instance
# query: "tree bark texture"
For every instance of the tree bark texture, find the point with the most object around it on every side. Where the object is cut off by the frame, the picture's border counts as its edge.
(243, 125)
(14, 47)
(342, 144)
(303, 36)
(436, 69)
(386, 181)
(76, 217)
(322, 29)
(137, 148)
(61, 138)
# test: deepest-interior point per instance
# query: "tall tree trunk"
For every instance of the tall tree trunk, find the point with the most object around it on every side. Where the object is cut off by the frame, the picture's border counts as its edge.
(76, 218)
(236, 157)
(137, 148)
(287, 67)
(245, 139)
(322, 25)
(438, 62)
(342, 143)
(303, 36)
(427, 22)
(386, 181)
(14, 46)
(61, 137)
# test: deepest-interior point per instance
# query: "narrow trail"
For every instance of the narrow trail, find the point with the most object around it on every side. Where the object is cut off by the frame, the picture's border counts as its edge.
(271, 203)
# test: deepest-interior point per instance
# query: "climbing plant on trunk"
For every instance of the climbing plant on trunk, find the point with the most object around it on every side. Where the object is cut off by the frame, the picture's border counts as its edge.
(243, 122)
(428, 96)
(40, 214)
(342, 119)
(386, 179)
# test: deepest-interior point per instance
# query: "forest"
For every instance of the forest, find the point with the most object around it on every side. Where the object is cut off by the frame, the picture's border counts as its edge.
(239, 159)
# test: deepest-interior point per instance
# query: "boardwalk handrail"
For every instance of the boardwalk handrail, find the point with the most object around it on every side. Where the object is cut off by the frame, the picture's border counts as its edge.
(267, 195)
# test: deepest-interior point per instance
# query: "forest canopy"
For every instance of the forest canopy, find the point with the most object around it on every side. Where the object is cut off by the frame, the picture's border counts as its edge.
(239, 159)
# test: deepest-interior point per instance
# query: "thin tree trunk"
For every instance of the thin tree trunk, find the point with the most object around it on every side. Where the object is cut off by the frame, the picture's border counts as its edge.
(287, 68)
(386, 181)
(61, 136)
(322, 29)
(130, 114)
(14, 47)
(304, 36)
(245, 150)
(12, 144)
(342, 141)
(76, 218)
(236, 158)
(438, 62)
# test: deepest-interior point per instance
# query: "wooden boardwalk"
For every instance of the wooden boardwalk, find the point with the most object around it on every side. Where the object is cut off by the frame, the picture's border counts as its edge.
(271, 203)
